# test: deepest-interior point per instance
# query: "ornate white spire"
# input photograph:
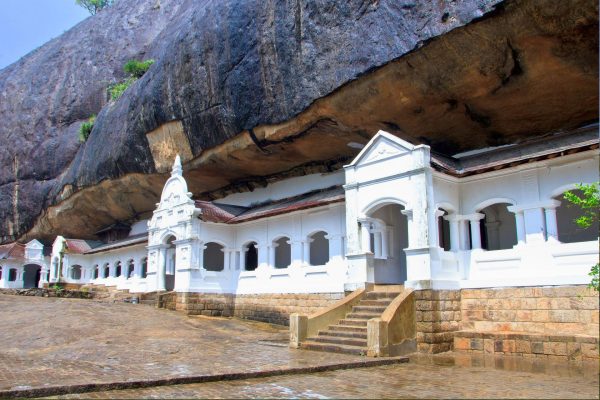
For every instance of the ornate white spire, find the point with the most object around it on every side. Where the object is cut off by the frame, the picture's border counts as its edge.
(177, 170)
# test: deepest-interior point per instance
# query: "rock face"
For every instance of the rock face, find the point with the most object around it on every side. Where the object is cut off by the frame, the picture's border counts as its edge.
(248, 91)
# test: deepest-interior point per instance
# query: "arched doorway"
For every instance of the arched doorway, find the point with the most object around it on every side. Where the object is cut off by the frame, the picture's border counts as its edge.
(498, 227)
(388, 229)
(31, 275)
(170, 265)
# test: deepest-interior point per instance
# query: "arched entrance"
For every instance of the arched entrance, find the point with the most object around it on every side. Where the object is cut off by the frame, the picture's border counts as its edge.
(170, 263)
(31, 275)
(388, 229)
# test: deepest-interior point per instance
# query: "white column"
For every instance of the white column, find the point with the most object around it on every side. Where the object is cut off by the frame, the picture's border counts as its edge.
(365, 237)
(551, 224)
(520, 224)
(384, 242)
(475, 230)
(336, 249)
(464, 234)
(306, 252)
(264, 252)
(377, 239)
(535, 225)
(296, 253)
(243, 258)
(454, 232)
(227, 259)
(161, 269)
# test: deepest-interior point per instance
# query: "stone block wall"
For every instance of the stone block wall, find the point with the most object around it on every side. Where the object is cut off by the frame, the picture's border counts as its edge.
(553, 347)
(563, 310)
(438, 316)
(272, 308)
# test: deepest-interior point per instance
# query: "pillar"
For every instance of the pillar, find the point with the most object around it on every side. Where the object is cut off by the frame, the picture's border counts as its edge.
(365, 237)
(464, 234)
(161, 270)
(475, 230)
(520, 224)
(385, 242)
(551, 224)
(454, 232)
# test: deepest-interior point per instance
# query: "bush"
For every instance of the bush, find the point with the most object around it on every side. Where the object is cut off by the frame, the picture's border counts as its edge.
(589, 203)
(115, 91)
(86, 128)
(137, 68)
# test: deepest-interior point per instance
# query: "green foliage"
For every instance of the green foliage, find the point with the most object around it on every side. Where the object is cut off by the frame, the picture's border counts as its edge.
(93, 6)
(86, 128)
(115, 91)
(137, 68)
(57, 288)
(589, 202)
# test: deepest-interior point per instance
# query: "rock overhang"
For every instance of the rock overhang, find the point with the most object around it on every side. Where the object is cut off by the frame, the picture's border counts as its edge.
(520, 71)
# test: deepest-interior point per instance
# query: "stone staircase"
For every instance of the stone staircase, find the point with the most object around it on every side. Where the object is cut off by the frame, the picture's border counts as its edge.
(349, 335)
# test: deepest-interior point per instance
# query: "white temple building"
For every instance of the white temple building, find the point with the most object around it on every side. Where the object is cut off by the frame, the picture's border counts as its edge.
(398, 214)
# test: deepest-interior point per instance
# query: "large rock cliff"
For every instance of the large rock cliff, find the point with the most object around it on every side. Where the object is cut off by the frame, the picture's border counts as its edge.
(249, 91)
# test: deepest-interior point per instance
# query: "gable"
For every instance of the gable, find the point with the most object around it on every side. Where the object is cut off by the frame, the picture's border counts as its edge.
(381, 147)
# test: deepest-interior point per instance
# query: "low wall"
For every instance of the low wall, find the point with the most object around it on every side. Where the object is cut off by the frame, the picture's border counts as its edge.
(563, 310)
(438, 316)
(272, 308)
(43, 292)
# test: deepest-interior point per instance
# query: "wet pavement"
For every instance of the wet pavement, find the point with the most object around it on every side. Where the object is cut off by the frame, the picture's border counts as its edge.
(437, 377)
(48, 342)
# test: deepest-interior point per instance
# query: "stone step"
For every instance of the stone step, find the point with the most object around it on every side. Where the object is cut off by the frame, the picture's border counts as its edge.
(348, 328)
(344, 341)
(345, 334)
(353, 322)
(381, 295)
(376, 303)
(368, 309)
(362, 315)
(333, 348)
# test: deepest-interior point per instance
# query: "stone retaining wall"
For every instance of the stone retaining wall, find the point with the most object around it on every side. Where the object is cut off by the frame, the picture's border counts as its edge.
(42, 292)
(438, 316)
(551, 310)
(553, 347)
(273, 308)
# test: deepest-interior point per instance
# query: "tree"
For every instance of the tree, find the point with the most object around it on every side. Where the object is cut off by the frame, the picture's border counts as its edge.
(93, 6)
(589, 202)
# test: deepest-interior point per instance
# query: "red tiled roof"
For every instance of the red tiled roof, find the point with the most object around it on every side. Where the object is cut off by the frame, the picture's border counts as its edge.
(12, 251)
(211, 212)
(222, 213)
(78, 246)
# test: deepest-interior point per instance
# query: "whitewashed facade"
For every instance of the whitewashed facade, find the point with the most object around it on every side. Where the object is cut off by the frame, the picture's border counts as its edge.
(391, 216)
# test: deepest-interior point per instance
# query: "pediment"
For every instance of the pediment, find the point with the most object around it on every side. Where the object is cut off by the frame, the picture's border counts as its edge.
(381, 147)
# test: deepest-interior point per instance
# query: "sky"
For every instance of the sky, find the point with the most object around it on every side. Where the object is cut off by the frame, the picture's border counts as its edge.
(27, 24)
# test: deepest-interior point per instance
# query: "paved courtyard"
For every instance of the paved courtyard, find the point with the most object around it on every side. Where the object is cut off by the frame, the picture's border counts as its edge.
(421, 380)
(50, 342)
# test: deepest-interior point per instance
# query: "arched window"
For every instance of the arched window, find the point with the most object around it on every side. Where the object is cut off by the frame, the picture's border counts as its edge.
(318, 248)
(145, 267)
(96, 272)
(251, 257)
(106, 270)
(283, 252)
(118, 269)
(498, 227)
(12, 275)
(130, 268)
(214, 257)
(443, 230)
(568, 230)
(76, 272)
